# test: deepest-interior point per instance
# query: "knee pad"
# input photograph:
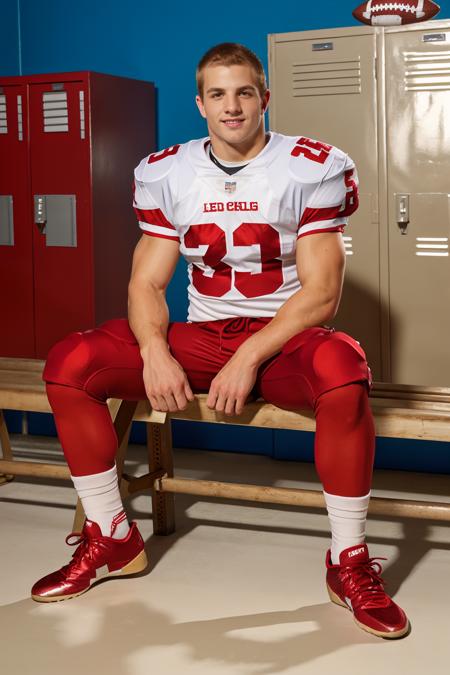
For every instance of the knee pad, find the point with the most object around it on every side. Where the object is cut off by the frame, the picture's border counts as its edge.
(331, 359)
(74, 359)
(68, 361)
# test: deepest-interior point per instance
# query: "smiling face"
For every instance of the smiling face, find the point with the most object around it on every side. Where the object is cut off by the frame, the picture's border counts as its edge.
(234, 110)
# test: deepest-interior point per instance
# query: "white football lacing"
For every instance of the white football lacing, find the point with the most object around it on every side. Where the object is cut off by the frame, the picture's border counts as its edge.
(391, 6)
(395, 6)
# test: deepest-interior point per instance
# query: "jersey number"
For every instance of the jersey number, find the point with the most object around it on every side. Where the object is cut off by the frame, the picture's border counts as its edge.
(314, 150)
(163, 154)
(220, 282)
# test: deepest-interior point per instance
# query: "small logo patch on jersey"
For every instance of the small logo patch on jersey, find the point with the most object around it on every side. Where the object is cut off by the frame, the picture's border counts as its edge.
(230, 186)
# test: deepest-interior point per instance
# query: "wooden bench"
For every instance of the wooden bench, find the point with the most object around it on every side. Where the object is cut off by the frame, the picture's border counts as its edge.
(399, 412)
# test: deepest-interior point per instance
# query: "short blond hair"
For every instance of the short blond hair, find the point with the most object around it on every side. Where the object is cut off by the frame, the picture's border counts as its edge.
(231, 54)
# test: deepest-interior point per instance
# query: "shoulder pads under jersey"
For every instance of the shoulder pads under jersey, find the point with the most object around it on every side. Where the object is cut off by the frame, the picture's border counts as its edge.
(158, 165)
(312, 161)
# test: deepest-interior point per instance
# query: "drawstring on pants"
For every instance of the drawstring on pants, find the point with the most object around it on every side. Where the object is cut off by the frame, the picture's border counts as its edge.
(237, 325)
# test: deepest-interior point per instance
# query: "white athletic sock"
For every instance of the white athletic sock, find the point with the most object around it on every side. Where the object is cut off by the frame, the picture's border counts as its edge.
(102, 503)
(348, 522)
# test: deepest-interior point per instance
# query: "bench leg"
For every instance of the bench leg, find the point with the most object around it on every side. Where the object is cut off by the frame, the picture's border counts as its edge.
(6, 448)
(122, 415)
(159, 444)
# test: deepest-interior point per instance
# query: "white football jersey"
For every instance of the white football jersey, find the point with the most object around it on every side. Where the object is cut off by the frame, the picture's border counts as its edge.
(239, 233)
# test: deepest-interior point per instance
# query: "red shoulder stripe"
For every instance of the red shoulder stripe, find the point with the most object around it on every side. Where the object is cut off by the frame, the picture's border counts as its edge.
(153, 217)
(316, 215)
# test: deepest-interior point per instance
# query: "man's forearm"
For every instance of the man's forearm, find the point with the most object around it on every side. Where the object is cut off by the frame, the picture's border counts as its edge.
(306, 308)
(148, 316)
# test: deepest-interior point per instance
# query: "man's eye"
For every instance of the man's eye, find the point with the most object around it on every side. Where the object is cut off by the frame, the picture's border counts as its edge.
(216, 95)
(246, 93)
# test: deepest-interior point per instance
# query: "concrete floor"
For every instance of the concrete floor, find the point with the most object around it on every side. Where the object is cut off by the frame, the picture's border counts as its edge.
(238, 589)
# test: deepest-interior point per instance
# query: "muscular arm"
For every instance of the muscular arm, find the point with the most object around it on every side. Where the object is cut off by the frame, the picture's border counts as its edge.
(154, 263)
(320, 266)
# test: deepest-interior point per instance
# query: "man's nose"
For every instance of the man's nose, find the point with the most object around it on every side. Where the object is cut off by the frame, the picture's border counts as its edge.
(233, 104)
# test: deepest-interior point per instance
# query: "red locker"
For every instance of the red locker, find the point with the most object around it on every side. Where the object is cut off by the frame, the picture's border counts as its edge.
(68, 146)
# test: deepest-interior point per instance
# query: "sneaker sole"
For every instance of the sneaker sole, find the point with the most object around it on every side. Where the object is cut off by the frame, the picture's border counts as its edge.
(138, 564)
(396, 634)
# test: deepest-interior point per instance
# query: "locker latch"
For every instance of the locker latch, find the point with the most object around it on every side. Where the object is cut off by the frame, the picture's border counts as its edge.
(56, 218)
(40, 212)
(402, 210)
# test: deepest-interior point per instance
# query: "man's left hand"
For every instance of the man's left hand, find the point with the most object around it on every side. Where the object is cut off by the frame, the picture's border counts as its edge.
(232, 385)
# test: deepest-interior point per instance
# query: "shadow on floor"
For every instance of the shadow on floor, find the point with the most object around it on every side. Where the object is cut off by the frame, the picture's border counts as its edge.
(117, 635)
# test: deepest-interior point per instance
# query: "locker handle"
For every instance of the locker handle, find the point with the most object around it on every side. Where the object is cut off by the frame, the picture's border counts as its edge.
(402, 211)
(40, 212)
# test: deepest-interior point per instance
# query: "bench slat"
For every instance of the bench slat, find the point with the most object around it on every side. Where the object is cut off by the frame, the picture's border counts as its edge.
(390, 422)
(18, 371)
(431, 406)
(300, 497)
(27, 400)
(390, 388)
(21, 388)
(15, 364)
(394, 422)
(20, 381)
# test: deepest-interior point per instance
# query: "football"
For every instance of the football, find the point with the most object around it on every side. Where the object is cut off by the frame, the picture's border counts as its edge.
(381, 13)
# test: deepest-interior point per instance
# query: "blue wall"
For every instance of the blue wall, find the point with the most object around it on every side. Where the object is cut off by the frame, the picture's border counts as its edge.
(160, 41)
(163, 42)
(9, 37)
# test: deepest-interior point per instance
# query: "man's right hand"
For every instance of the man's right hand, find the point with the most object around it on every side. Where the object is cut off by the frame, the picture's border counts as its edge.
(166, 383)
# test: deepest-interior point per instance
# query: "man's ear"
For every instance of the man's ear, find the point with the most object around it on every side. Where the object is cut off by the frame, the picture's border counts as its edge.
(265, 100)
(200, 106)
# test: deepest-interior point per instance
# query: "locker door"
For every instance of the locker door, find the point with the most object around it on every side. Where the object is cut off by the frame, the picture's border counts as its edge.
(16, 255)
(324, 87)
(418, 163)
(61, 202)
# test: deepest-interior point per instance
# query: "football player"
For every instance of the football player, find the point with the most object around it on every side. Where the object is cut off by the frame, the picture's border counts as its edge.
(259, 218)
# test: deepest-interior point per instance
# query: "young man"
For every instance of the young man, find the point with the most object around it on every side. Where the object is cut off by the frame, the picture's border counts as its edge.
(259, 217)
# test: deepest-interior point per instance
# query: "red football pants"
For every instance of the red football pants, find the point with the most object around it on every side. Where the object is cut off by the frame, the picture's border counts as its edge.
(319, 368)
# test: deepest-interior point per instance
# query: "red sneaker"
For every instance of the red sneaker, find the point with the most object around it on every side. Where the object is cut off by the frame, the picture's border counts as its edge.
(96, 557)
(356, 584)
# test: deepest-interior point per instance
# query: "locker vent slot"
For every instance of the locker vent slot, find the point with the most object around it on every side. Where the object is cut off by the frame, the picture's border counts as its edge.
(19, 118)
(82, 122)
(427, 72)
(3, 119)
(348, 244)
(325, 78)
(56, 113)
(432, 246)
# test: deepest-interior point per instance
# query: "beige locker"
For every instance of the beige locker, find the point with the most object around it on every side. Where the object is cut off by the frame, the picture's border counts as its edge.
(382, 95)
(417, 77)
